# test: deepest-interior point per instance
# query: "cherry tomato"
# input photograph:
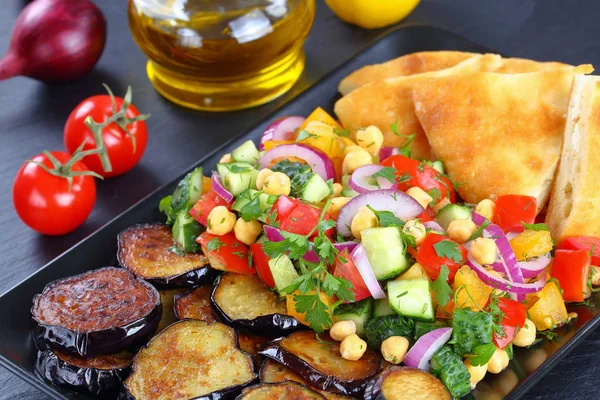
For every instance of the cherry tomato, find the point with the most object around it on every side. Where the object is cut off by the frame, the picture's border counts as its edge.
(512, 210)
(416, 173)
(119, 144)
(349, 271)
(44, 202)
(432, 262)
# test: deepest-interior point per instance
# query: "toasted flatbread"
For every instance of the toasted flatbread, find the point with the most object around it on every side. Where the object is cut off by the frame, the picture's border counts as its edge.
(497, 133)
(410, 64)
(575, 199)
(386, 102)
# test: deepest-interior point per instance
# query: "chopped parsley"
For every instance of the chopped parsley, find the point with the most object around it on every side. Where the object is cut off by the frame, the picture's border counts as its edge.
(387, 173)
(448, 249)
(479, 231)
(214, 244)
(386, 218)
(252, 209)
(176, 250)
(536, 227)
(304, 134)
(443, 291)
(482, 354)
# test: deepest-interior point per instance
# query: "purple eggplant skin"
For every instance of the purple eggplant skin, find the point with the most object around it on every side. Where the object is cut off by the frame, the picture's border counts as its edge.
(100, 342)
(310, 374)
(91, 380)
(269, 325)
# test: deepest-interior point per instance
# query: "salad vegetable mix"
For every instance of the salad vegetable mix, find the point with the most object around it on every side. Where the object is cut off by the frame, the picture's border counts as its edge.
(374, 246)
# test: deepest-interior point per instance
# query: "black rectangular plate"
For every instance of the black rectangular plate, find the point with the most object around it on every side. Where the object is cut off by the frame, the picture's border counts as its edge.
(17, 352)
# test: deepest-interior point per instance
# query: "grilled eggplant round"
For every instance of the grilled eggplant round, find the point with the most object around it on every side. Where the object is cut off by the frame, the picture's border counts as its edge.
(196, 304)
(273, 372)
(103, 311)
(403, 383)
(279, 391)
(321, 364)
(252, 345)
(190, 360)
(95, 375)
(150, 252)
(244, 301)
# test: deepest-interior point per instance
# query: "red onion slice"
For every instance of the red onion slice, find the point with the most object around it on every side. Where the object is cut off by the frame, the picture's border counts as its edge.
(281, 129)
(366, 272)
(420, 354)
(387, 151)
(399, 203)
(318, 160)
(359, 181)
(503, 284)
(220, 189)
(434, 226)
(534, 267)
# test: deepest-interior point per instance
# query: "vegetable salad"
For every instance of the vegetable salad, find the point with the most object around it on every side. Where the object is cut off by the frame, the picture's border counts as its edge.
(374, 246)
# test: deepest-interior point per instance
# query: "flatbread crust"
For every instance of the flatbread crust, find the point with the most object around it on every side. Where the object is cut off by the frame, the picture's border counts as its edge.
(574, 208)
(386, 102)
(497, 133)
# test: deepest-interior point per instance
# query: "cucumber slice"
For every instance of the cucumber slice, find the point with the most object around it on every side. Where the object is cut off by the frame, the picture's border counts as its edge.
(449, 367)
(438, 165)
(315, 189)
(385, 251)
(237, 176)
(411, 298)
(348, 193)
(359, 312)
(247, 152)
(185, 232)
(224, 169)
(382, 308)
(188, 191)
(422, 327)
(346, 189)
(451, 212)
(283, 271)
(266, 202)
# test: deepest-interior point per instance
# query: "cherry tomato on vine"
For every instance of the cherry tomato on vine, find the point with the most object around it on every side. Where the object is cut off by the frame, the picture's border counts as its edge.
(125, 139)
(45, 202)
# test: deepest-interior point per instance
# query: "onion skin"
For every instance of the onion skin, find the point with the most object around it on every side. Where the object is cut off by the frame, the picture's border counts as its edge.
(55, 41)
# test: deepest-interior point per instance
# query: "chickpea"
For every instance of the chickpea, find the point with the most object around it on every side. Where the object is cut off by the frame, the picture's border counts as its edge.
(220, 221)
(336, 205)
(355, 160)
(351, 149)
(337, 189)
(352, 347)
(498, 362)
(277, 183)
(394, 349)
(319, 128)
(370, 139)
(263, 174)
(477, 372)
(342, 329)
(226, 158)
(526, 334)
(441, 204)
(415, 229)
(247, 232)
(420, 196)
(484, 250)
(486, 208)
(364, 219)
(460, 230)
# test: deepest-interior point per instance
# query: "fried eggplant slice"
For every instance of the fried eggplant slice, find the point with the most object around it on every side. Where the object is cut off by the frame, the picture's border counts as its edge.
(103, 311)
(252, 344)
(190, 360)
(244, 301)
(150, 252)
(97, 375)
(272, 372)
(167, 299)
(279, 391)
(196, 304)
(403, 383)
(320, 363)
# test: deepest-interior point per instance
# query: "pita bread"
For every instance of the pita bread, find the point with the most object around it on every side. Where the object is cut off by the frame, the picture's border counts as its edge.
(386, 102)
(496, 133)
(428, 61)
(575, 199)
(410, 64)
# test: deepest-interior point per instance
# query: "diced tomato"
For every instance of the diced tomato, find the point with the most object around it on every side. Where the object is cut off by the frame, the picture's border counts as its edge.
(509, 332)
(572, 270)
(226, 253)
(587, 243)
(302, 219)
(512, 210)
(349, 271)
(260, 260)
(204, 206)
(514, 312)
(283, 206)
(427, 215)
(412, 173)
(432, 262)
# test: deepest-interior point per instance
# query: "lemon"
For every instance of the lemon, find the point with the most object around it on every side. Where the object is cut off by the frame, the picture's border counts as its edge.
(372, 13)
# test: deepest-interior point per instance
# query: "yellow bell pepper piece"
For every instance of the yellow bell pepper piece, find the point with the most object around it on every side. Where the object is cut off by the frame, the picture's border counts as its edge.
(549, 311)
(414, 272)
(291, 306)
(320, 115)
(531, 244)
(206, 184)
(471, 292)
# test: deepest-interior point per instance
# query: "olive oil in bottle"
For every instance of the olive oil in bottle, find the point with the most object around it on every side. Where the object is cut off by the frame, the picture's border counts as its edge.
(221, 55)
